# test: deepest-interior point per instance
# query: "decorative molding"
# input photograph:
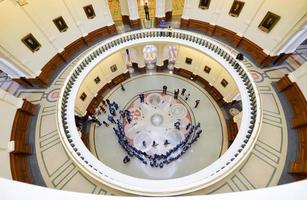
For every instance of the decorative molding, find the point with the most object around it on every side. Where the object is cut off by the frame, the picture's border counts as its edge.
(168, 16)
(135, 24)
(96, 35)
(126, 19)
(22, 2)
(230, 36)
(283, 83)
(44, 78)
(202, 26)
(235, 40)
(19, 160)
(298, 103)
(158, 20)
(72, 48)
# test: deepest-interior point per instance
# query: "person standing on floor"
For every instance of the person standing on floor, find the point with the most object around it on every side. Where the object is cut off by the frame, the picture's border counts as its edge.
(102, 109)
(122, 87)
(164, 89)
(96, 120)
(105, 123)
(187, 96)
(146, 10)
(142, 97)
(176, 93)
(196, 103)
(113, 112)
(108, 102)
(111, 119)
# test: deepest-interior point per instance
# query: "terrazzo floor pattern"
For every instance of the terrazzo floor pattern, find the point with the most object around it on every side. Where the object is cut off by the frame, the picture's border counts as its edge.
(262, 169)
(209, 147)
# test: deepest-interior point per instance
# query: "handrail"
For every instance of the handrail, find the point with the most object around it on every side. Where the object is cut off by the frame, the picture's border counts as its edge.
(226, 164)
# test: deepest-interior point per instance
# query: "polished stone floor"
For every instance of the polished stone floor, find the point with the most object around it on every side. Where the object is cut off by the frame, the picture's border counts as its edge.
(263, 168)
(154, 120)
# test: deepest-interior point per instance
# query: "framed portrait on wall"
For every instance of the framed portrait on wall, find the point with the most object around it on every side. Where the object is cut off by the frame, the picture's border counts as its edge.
(204, 4)
(97, 80)
(268, 22)
(89, 11)
(60, 24)
(83, 96)
(224, 83)
(113, 68)
(30, 41)
(207, 69)
(236, 8)
(188, 60)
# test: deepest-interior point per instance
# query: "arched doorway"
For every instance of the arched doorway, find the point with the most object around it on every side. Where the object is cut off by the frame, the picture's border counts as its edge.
(150, 56)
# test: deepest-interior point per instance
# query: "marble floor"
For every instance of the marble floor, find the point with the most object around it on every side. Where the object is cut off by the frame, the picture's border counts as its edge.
(263, 168)
(208, 148)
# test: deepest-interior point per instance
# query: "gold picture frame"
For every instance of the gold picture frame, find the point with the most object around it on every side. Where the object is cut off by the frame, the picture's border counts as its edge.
(31, 42)
(236, 8)
(89, 11)
(188, 60)
(113, 68)
(268, 22)
(224, 83)
(97, 80)
(60, 24)
(207, 69)
(83, 96)
(204, 4)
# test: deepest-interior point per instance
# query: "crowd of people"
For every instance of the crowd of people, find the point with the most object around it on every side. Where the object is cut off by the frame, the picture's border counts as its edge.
(119, 117)
(183, 93)
(157, 160)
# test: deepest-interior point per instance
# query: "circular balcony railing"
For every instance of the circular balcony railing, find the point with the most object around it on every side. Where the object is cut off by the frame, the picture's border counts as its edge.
(226, 164)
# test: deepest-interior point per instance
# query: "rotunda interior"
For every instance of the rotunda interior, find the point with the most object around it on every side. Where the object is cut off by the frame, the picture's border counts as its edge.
(145, 98)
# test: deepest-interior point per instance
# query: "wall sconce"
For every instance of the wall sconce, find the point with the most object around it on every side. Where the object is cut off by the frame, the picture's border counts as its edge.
(22, 2)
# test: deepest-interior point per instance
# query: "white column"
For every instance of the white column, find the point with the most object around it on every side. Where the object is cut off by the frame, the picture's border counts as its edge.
(106, 13)
(298, 73)
(140, 56)
(8, 107)
(160, 57)
(160, 8)
(14, 68)
(124, 7)
(133, 9)
(186, 9)
(299, 76)
(294, 42)
(168, 5)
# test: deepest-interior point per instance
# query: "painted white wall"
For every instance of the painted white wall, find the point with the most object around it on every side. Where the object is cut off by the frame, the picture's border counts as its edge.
(104, 72)
(42, 18)
(290, 12)
(241, 23)
(299, 76)
(216, 75)
(36, 17)
(15, 25)
(160, 8)
(24, 70)
(10, 69)
(168, 5)
(133, 9)
(252, 14)
(124, 7)
(8, 107)
(295, 190)
(85, 25)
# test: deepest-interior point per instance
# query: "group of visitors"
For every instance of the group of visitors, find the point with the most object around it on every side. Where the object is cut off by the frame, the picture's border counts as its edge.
(157, 160)
(117, 117)
(183, 93)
